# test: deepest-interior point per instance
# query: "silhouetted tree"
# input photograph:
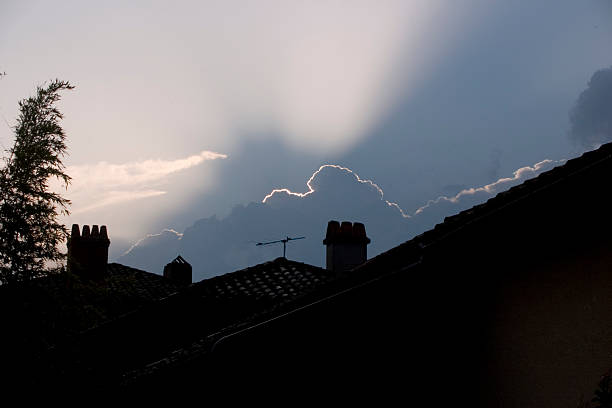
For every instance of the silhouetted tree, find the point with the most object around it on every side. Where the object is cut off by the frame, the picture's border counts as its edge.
(29, 230)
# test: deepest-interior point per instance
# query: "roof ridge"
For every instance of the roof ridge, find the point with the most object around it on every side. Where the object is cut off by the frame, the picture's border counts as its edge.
(503, 199)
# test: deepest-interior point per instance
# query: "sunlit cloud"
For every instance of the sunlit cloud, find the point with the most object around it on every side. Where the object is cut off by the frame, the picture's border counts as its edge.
(105, 174)
(311, 188)
(518, 176)
(147, 237)
(104, 184)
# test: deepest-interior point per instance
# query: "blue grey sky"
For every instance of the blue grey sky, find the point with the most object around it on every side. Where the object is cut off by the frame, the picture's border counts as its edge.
(183, 110)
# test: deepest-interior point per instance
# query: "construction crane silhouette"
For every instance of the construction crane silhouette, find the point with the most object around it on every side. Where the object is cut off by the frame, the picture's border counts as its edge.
(284, 241)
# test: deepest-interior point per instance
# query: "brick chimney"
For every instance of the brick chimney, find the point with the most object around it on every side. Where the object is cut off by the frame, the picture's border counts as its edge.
(346, 245)
(88, 251)
(179, 271)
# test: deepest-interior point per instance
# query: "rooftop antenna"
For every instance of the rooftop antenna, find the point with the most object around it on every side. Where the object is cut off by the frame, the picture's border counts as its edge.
(284, 241)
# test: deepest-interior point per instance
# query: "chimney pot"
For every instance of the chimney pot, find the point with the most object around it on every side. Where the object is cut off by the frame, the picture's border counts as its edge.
(346, 245)
(346, 230)
(359, 233)
(333, 231)
(75, 234)
(88, 253)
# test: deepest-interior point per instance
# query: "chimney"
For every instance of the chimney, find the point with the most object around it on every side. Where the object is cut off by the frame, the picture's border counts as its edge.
(346, 245)
(88, 251)
(179, 271)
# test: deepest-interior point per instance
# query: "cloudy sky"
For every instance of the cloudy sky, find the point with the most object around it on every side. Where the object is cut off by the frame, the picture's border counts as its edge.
(185, 109)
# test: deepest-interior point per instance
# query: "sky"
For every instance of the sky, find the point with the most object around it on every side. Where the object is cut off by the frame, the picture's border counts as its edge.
(187, 110)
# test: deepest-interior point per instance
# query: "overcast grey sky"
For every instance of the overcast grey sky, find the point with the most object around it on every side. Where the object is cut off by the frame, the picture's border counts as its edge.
(184, 109)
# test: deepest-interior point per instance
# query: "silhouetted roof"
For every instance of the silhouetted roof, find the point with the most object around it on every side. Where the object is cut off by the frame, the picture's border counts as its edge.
(53, 313)
(241, 298)
(411, 251)
(189, 320)
(280, 279)
(273, 281)
(238, 298)
(136, 283)
(62, 305)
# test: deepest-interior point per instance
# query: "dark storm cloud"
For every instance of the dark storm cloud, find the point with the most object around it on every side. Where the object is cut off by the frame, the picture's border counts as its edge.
(218, 245)
(591, 118)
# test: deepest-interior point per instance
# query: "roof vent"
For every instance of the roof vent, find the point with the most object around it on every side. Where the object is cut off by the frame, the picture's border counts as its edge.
(179, 270)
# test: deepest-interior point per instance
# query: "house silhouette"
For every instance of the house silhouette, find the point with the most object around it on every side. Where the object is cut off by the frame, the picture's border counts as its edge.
(506, 304)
